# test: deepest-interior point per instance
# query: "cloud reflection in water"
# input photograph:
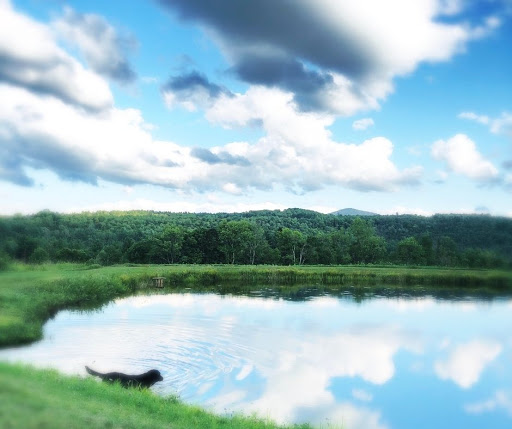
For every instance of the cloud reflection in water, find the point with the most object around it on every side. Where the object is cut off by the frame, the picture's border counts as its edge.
(325, 360)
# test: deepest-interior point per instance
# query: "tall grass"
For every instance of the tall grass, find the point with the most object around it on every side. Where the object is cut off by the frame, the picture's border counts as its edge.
(201, 276)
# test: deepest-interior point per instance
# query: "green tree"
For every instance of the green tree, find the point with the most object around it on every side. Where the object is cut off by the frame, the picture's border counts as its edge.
(319, 249)
(191, 251)
(446, 252)
(39, 255)
(235, 237)
(340, 242)
(109, 255)
(474, 258)
(410, 252)
(366, 246)
(71, 255)
(26, 246)
(292, 245)
(140, 252)
(427, 245)
(5, 261)
(257, 244)
(170, 243)
(206, 244)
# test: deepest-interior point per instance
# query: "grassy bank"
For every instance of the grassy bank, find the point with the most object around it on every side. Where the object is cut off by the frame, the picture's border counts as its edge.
(41, 399)
(29, 295)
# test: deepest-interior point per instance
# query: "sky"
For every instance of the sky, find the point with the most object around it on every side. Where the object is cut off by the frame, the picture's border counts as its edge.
(230, 106)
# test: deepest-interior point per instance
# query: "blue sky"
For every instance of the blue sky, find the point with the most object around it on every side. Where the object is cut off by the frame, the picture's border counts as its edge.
(174, 105)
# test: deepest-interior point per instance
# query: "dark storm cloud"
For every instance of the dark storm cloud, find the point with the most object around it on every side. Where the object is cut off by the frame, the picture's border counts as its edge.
(281, 43)
(279, 71)
(293, 28)
(191, 82)
(209, 157)
(194, 88)
(287, 73)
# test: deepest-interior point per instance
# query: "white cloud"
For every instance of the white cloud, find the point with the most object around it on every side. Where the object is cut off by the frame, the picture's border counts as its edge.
(503, 124)
(101, 44)
(508, 180)
(467, 361)
(300, 373)
(450, 7)
(244, 372)
(47, 133)
(362, 124)
(298, 376)
(500, 125)
(414, 150)
(115, 145)
(298, 145)
(313, 67)
(232, 188)
(362, 395)
(48, 128)
(127, 189)
(500, 400)
(462, 157)
(196, 99)
(481, 119)
(35, 61)
(443, 175)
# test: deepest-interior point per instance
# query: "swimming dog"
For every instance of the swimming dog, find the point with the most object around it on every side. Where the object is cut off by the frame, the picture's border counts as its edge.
(145, 380)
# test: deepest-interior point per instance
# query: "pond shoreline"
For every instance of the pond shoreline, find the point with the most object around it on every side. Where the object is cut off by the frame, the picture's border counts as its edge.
(30, 295)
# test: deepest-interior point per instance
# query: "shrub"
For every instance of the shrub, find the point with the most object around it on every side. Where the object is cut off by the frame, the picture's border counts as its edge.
(39, 256)
(5, 261)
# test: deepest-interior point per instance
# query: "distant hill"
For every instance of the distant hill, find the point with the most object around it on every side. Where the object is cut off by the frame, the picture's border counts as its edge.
(353, 212)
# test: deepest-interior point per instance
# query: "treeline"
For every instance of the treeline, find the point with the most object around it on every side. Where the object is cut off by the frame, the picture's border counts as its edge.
(289, 237)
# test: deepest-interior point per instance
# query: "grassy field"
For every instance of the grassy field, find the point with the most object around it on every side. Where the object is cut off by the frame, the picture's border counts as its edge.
(29, 295)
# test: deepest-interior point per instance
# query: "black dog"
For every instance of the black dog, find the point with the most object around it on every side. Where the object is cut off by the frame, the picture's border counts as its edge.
(143, 380)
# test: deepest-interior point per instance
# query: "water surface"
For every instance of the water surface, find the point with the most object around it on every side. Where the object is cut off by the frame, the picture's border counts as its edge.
(380, 363)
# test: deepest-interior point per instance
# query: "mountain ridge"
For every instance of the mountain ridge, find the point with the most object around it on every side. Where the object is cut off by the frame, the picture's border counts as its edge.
(349, 211)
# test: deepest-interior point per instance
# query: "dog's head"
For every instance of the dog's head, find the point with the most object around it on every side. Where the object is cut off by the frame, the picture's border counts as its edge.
(155, 375)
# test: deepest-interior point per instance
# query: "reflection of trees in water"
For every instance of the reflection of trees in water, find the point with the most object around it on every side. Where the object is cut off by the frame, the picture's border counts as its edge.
(361, 293)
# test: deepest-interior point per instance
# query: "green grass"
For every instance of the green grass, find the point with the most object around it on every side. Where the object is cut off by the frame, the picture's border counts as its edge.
(31, 398)
(29, 295)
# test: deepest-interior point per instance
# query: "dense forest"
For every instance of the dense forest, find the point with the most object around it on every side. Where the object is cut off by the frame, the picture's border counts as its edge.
(292, 236)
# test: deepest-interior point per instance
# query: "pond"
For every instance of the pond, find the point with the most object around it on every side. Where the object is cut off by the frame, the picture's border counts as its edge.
(385, 362)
